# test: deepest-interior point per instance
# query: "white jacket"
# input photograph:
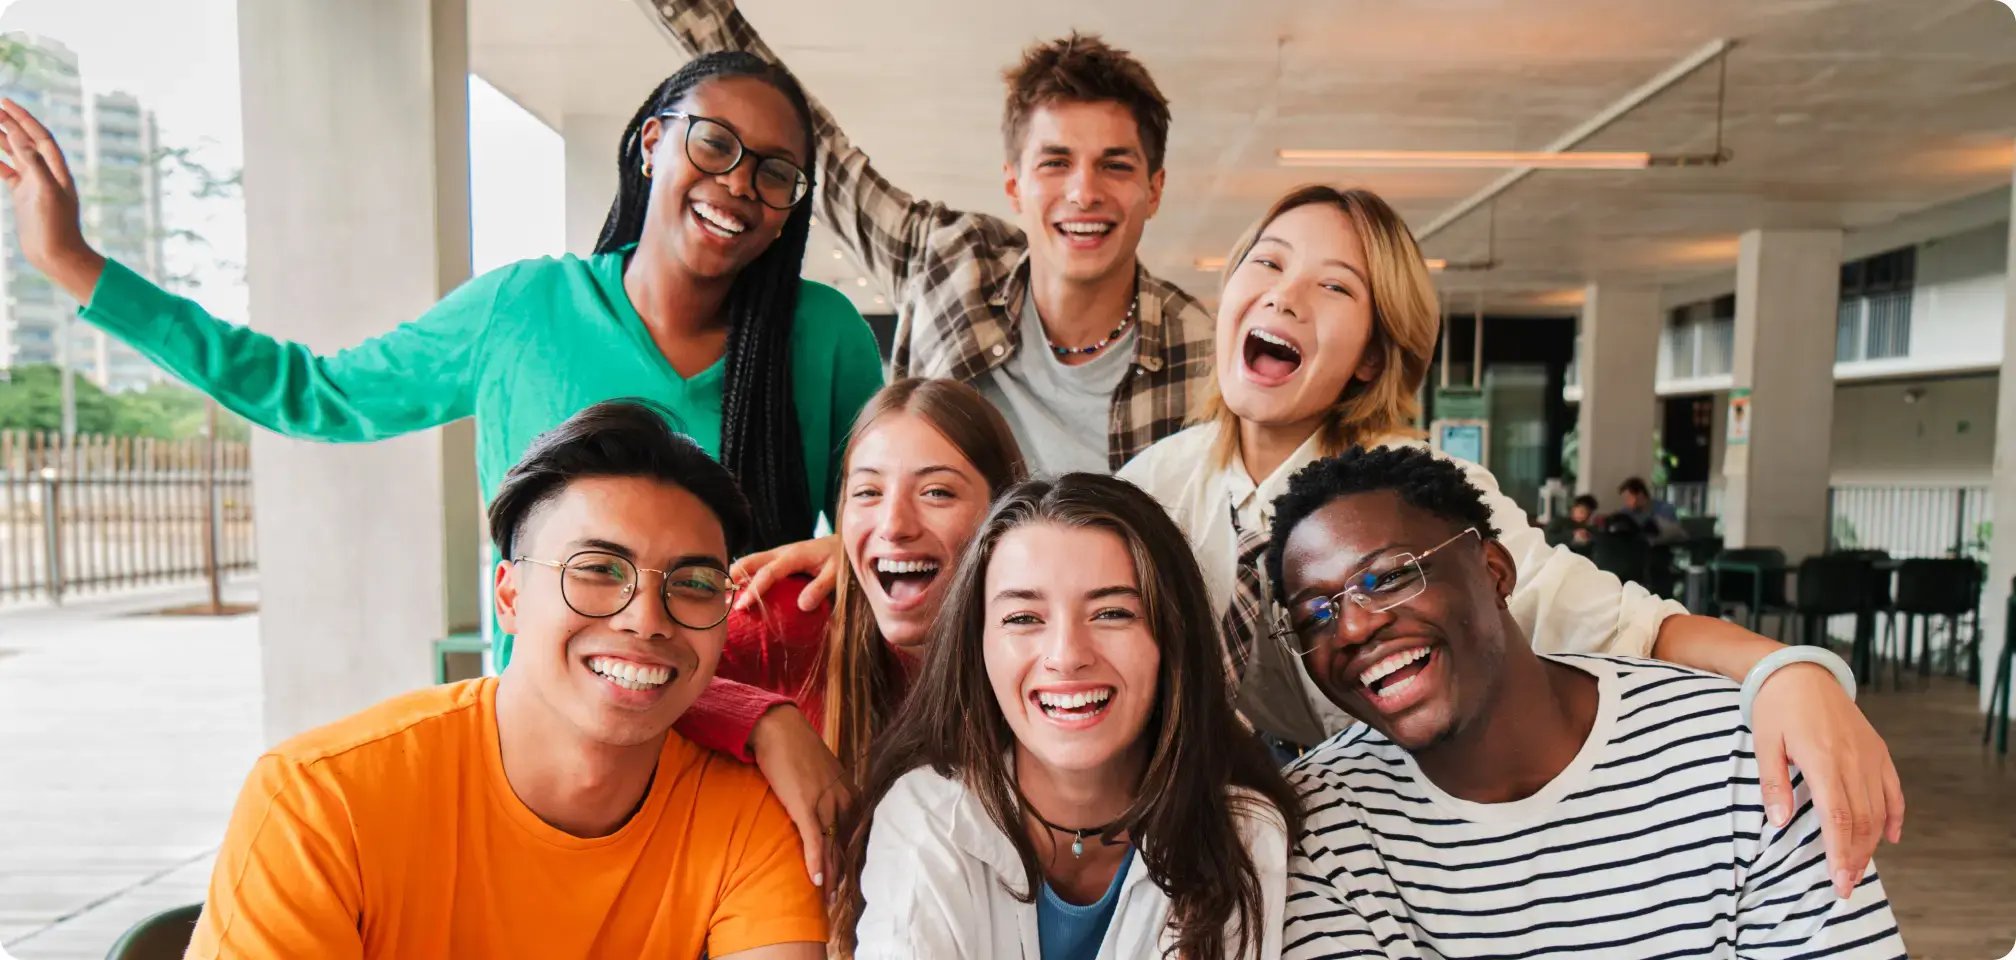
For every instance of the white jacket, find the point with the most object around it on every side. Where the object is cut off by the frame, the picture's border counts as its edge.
(939, 872)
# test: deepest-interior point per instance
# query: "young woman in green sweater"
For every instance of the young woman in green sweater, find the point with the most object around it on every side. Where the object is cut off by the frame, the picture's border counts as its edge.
(692, 300)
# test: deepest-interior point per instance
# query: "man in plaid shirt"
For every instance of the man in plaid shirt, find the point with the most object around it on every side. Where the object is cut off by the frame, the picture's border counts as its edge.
(1051, 317)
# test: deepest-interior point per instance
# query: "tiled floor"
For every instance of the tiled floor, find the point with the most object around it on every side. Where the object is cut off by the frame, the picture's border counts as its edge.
(123, 741)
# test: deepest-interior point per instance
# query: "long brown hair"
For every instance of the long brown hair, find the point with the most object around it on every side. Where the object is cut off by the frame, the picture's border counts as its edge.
(864, 680)
(1405, 321)
(1184, 821)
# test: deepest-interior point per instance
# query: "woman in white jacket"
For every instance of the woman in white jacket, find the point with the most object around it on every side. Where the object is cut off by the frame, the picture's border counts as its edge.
(1068, 779)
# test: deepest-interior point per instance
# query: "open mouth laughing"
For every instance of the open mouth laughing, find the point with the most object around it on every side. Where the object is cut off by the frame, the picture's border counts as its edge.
(718, 222)
(1083, 233)
(1270, 358)
(1076, 707)
(906, 580)
(1395, 681)
(631, 675)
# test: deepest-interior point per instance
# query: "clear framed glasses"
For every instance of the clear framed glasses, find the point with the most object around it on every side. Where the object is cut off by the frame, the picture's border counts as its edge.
(715, 149)
(597, 584)
(1383, 584)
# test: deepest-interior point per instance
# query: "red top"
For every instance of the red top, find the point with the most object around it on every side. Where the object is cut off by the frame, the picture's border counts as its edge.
(776, 646)
(772, 651)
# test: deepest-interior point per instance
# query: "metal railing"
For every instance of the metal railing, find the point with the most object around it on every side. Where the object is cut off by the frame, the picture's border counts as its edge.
(1874, 326)
(100, 513)
(1949, 521)
(1693, 499)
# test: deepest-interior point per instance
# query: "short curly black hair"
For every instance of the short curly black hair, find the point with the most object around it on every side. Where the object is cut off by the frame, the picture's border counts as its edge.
(1422, 479)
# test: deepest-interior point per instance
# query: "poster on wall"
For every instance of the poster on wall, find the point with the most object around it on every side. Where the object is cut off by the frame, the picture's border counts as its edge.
(1739, 416)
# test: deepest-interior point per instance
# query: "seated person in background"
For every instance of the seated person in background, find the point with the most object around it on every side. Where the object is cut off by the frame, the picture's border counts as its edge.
(549, 811)
(1573, 529)
(1496, 802)
(1657, 519)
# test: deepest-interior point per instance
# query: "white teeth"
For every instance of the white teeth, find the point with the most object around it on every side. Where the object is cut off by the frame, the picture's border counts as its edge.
(886, 565)
(630, 676)
(1085, 229)
(1266, 337)
(1386, 666)
(721, 220)
(1074, 701)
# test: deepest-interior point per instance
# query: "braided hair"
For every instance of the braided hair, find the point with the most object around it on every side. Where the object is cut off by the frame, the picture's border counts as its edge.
(760, 442)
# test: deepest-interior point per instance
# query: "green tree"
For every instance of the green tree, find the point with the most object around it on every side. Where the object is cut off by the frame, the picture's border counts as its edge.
(31, 398)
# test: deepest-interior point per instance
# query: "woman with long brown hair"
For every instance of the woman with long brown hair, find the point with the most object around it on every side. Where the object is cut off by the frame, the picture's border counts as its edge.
(1068, 778)
(1326, 325)
(923, 462)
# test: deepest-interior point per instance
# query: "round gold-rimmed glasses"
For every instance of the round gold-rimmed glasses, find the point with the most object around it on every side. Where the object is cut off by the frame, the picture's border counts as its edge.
(599, 584)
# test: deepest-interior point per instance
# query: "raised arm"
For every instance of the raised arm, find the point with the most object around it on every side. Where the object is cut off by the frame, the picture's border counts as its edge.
(886, 228)
(415, 376)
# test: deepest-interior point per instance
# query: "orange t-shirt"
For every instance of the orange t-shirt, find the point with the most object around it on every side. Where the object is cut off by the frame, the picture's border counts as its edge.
(394, 834)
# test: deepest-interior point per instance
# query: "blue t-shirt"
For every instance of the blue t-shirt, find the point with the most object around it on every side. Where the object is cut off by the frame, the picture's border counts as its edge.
(1067, 931)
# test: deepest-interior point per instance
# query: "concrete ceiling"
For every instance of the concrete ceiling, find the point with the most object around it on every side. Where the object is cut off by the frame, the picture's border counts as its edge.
(1847, 113)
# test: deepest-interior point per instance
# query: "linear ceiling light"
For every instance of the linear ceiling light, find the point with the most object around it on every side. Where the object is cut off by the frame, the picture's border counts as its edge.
(1467, 159)
(1215, 264)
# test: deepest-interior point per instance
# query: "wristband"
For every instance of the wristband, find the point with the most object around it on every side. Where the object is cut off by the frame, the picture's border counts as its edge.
(1754, 681)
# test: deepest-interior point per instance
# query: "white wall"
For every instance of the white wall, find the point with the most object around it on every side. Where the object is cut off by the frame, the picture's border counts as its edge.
(1956, 308)
(1946, 437)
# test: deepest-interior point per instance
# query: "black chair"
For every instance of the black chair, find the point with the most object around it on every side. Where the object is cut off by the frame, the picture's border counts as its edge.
(163, 936)
(1831, 586)
(1627, 555)
(1700, 528)
(1998, 698)
(1882, 570)
(1752, 578)
(1950, 588)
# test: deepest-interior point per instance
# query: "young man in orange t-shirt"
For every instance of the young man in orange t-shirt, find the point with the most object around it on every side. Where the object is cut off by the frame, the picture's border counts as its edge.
(551, 811)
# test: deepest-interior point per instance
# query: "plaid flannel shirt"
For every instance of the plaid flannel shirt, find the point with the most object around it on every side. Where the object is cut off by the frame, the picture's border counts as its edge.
(958, 278)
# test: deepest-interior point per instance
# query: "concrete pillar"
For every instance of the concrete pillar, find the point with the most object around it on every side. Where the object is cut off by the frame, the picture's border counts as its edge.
(590, 141)
(357, 218)
(2002, 486)
(1619, 361)
(1788, 283)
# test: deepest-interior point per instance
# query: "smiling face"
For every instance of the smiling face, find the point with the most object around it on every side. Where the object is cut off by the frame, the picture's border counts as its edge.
(714, 224)
(1069, 653)
(619, 680)
(1296, 319)
(1081, 189)
(1428, 667)
(912, 501)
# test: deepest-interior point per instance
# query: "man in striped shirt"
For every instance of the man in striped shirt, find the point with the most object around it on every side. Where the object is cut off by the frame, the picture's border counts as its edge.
(1495, 802)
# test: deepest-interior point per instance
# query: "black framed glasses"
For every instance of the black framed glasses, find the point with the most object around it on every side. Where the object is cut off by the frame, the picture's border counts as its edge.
(600, 585)
(1383, 584)
(715, 149)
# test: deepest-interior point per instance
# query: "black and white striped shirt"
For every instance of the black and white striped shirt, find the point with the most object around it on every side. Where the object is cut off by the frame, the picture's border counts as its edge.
(1651, 844)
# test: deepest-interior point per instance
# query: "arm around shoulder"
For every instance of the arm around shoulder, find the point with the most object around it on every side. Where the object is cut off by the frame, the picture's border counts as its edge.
(1564, 601)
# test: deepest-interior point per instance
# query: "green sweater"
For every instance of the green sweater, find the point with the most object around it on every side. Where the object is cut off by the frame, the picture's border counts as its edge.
(520, 348)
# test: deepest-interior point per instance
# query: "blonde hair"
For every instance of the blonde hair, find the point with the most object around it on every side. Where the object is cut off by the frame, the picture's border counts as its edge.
(1405, 322)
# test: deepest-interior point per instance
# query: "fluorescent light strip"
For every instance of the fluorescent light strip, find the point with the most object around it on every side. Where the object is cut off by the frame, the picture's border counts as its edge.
(1215, 264)
(1466, 159)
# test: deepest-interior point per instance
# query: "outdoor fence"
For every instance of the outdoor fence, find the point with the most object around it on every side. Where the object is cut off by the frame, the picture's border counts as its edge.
(99, 514)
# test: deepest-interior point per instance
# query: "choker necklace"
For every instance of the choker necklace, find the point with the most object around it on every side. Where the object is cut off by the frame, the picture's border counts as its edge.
(1077, 835)
(1125, 321)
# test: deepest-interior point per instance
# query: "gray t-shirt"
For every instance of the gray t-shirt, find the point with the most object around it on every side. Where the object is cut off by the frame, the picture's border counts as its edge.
(1059, 413)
